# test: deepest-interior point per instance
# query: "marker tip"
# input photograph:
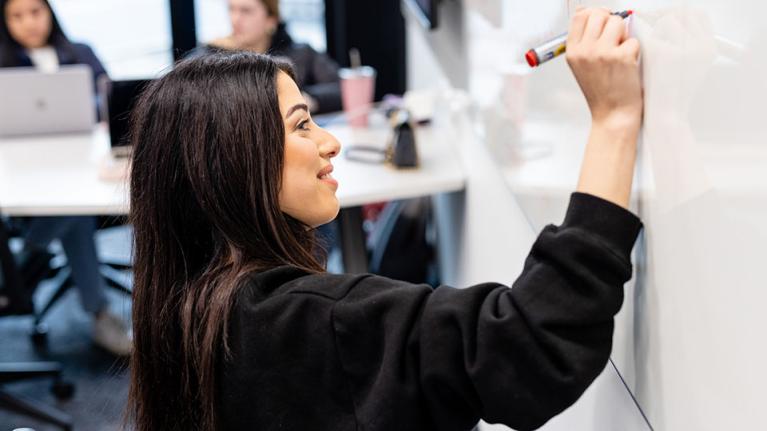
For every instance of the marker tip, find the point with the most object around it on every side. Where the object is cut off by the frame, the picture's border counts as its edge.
(532, 58)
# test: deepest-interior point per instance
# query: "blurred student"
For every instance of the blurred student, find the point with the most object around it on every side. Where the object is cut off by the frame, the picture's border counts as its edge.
(239, 327)
(30, 36)
(256, 27)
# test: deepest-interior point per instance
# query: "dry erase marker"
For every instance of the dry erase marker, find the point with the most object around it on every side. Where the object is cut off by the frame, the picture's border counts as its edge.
(557, 46)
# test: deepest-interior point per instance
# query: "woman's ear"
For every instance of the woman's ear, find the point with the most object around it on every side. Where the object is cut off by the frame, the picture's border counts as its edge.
(271, 25)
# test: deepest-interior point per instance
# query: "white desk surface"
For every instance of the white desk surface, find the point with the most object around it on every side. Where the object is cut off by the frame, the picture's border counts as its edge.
(59, 175)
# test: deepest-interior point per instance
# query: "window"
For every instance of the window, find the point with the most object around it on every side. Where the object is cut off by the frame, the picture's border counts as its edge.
(131, 37)
(305, 20)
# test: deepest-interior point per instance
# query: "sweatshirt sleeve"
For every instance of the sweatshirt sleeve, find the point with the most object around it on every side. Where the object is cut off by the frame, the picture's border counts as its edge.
(517, 356)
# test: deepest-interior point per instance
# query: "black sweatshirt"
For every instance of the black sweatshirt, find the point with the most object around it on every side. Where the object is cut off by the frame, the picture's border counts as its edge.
(362, 352)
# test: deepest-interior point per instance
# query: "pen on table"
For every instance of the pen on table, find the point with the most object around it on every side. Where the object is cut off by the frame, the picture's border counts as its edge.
(557, 46)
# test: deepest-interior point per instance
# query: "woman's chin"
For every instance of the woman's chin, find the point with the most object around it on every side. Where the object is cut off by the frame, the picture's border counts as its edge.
(332, 214)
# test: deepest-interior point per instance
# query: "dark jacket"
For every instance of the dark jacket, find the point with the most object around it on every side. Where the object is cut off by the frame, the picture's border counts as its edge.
(362, 352)
(316, 73)
(69, 54)
(74, 53)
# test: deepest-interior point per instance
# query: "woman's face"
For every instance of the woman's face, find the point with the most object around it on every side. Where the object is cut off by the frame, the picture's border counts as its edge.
(308, 191)
(251, 23)
(29, 22)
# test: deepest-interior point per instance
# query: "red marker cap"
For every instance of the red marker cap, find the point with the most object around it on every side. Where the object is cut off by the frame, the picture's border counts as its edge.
(532, 58)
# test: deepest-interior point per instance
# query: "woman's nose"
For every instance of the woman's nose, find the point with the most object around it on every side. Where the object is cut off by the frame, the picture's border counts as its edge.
(330, 146)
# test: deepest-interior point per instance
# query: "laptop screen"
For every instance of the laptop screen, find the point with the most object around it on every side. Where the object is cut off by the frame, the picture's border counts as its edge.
(35, 103)
(121, 97)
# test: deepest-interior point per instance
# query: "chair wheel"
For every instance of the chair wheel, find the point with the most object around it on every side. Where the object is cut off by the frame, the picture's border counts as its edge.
(63, 390)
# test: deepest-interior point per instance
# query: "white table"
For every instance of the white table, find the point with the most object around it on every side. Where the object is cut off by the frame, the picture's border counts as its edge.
(59, 175)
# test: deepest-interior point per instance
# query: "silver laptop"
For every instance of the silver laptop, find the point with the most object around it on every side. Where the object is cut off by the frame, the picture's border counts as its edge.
(33, 103)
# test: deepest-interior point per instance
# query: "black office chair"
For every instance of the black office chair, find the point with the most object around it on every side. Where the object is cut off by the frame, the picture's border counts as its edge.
(111, 272)
(16, 299)
(401, 243)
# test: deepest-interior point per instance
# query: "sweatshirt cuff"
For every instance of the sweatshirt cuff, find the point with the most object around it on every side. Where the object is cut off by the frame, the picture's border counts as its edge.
(618, 226)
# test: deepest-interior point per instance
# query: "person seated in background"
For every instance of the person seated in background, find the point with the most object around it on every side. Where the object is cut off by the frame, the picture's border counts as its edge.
(30, 36)
(256, 27)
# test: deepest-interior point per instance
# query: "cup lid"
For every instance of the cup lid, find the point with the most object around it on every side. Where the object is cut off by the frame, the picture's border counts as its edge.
(357, 72)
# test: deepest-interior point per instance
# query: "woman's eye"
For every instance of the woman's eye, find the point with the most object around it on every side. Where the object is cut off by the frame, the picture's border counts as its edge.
(303, 125)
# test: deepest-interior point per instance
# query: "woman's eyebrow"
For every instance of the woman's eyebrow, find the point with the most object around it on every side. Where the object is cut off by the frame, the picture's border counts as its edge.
(295, 108)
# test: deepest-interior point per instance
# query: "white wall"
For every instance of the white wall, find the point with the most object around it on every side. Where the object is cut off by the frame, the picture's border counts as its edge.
(486, 237)
(699, 361)
(689, 337)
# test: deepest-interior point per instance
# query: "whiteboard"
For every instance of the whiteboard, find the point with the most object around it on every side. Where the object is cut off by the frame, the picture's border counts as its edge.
(689, 340)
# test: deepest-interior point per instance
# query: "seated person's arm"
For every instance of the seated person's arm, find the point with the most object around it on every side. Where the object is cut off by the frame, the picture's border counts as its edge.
(323, 84)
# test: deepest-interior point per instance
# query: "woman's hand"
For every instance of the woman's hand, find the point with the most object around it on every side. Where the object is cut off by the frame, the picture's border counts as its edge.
(605, 63)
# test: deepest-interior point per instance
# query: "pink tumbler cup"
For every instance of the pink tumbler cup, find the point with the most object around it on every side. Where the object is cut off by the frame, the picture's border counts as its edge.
(357, 91)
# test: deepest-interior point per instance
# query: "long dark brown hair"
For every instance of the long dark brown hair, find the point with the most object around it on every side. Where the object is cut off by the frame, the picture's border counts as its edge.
(10, 47)
(208, 147)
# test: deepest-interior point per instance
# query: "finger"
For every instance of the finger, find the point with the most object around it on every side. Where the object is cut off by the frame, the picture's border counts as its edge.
(577, 26)
(596, 24)
(631, 48)
(614, 32)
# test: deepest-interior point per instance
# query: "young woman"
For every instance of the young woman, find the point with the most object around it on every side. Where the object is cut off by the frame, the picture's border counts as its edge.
(30, 36)
(237, 326)
(256, 27)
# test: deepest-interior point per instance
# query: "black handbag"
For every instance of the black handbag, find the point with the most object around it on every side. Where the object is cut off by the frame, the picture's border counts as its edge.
(401, 150)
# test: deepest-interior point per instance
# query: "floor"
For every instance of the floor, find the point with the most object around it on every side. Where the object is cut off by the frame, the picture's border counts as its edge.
(101, 380)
